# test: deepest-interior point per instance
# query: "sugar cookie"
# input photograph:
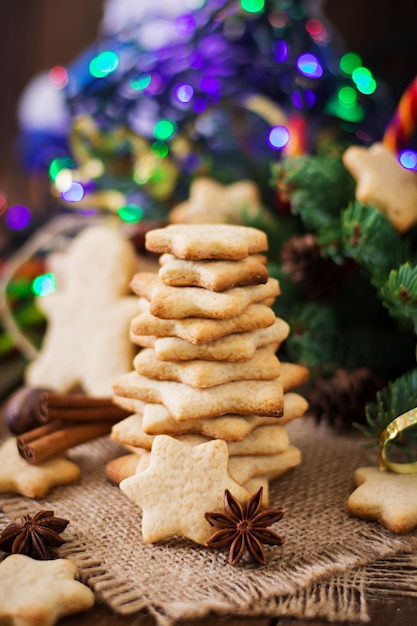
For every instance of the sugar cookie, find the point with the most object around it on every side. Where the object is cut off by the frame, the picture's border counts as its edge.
(206, 241)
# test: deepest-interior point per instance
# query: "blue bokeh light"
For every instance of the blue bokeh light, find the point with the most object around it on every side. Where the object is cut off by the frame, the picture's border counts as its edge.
(408, 159)
(309, 65)
(278, 137)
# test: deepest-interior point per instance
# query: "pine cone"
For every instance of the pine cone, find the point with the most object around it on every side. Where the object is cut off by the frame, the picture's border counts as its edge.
(317, 276)
(341, 399)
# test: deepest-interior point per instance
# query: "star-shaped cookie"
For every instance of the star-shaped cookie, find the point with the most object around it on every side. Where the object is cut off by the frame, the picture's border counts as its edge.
(32, 481)
(39, 593)
(180, 485)
(196, 242)
(383, 183)
(169, 302)
(210, 201)
(245, 397)
(87, 339)
(386, 497)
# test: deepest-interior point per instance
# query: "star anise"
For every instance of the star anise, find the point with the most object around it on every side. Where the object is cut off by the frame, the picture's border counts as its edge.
(33, 535)
(243, 527)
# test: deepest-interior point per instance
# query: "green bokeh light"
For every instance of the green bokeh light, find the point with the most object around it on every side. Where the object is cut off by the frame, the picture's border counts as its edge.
(347, 96)
(159, 149)
(351, 113)
(349, 62)
(252, 6)
(364, 80)
(131, 213)
(164, 129)
(44, 285)
(104, 64)
(139, 84)
(58, 164)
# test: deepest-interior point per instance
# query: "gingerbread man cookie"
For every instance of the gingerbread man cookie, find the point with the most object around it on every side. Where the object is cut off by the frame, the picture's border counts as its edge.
(87, 339)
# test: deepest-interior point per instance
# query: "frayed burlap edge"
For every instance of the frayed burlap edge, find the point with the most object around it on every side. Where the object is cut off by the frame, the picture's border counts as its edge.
(310, 581)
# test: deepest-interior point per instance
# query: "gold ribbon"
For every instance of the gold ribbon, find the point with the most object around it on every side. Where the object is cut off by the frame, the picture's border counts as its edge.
(390, 433)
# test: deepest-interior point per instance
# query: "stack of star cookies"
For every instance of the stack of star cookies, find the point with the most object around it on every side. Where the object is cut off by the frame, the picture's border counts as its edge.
(208, 368)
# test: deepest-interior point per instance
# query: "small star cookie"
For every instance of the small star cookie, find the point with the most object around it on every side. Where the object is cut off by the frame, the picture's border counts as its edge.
(39, 593)
(197, 242)
(387, 497)
(87, 339)
(32, 481)
(383, 183)
(179, 486)
(210, 201)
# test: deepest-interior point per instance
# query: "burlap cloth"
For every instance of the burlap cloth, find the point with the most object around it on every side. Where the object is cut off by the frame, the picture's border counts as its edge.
(327, 568)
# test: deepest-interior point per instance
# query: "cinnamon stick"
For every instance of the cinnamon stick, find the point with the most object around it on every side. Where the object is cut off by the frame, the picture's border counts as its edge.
(109, 412)
(54, 438)
(28, 408)
(76, 400)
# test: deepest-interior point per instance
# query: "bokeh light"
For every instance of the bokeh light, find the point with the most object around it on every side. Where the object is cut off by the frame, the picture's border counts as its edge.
(309, 65)
(156, 85)
(252, 6)
(184, 93)
(185, 24)
(210, 86)
(364, 80)
(278, 137)
(164, 129)
(59, 164)
(141, 83)
(44, 285)
(131, 213)
(104, 64)
(58, 76)
(347, 96)
(303, 98)
(349, 62)
(63, 180)
(17, 217)
(352, 112)
(408, 159)
(317, 31)
(278, 19)
(75, 193)
(159, 149)
(280, 51)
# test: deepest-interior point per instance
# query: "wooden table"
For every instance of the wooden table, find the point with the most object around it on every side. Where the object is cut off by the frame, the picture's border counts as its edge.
(384, 612)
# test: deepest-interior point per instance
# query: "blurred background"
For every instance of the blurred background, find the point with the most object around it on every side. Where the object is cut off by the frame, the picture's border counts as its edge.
(35, 36)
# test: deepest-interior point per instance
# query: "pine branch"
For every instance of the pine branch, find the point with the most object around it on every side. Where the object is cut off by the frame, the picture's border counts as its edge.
(399, 294)
(372, 320)
(325, 337)
(396, 398)
(370, 240)
(320, 187)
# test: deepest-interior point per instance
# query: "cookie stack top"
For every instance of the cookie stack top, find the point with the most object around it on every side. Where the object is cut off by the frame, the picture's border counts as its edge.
(207, 380)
